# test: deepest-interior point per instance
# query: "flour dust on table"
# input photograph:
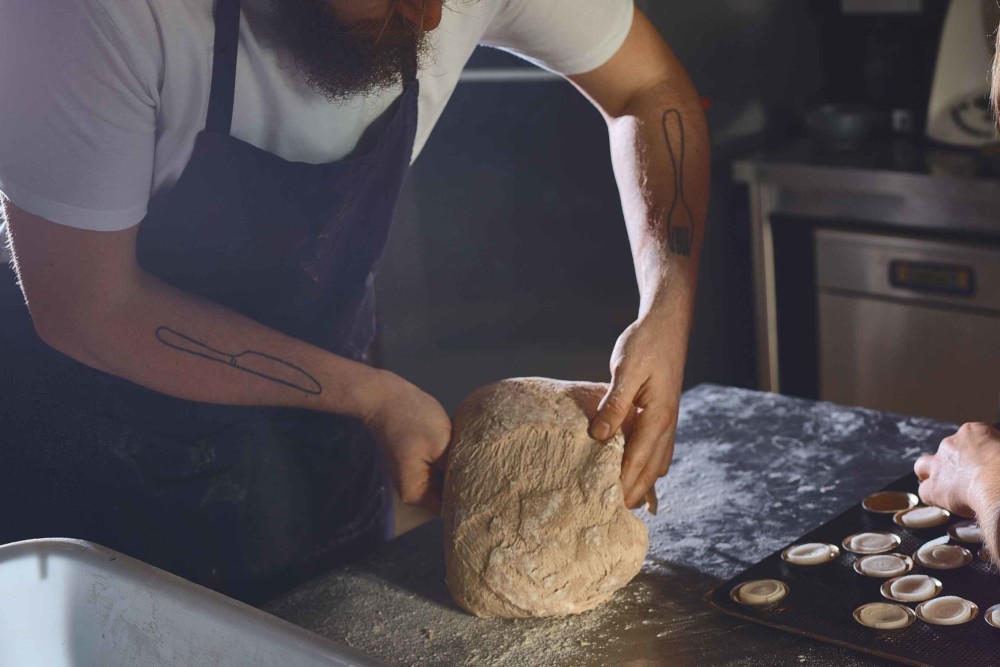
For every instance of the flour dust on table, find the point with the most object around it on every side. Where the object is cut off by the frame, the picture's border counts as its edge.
(752, 473)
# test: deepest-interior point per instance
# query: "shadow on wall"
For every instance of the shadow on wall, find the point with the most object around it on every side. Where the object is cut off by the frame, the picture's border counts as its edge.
(509, 255)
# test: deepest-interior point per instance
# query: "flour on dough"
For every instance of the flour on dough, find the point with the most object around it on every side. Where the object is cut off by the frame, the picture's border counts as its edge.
(535, 520)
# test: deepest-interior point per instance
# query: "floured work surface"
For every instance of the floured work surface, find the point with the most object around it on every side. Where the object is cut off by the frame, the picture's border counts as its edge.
(822, 599)
(751, 471)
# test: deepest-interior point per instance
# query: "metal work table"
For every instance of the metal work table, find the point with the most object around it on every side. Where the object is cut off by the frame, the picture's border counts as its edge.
(901, 185)
(752, 472)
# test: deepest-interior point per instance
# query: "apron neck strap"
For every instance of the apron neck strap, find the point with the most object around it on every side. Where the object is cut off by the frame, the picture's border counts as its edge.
(410, 69)
(227, 39)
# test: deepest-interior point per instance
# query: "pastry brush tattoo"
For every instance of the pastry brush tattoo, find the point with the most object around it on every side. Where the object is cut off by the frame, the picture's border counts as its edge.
(249, 361)
(680, 222)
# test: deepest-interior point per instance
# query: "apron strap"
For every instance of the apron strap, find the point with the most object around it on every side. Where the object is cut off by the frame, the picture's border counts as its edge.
(410, 69)
(226, 47)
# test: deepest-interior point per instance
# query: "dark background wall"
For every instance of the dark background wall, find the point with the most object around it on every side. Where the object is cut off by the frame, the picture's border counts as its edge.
(760, 65)
(510, 257)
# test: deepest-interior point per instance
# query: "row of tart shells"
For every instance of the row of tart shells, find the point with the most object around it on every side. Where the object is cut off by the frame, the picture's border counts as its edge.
(936, 554)
(903, 587)
(907, 512)
(943, 611)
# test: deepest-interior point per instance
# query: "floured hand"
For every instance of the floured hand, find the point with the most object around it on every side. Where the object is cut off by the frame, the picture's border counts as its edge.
(413, 432)
(647, 367)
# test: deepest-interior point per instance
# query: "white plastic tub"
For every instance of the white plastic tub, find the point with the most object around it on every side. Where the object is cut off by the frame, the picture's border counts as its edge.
(73, 603)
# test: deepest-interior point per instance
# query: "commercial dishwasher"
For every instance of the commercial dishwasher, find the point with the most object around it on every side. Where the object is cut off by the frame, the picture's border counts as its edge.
(909, 325)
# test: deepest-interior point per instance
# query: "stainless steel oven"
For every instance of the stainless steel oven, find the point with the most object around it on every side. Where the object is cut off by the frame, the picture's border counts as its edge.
(909, 325)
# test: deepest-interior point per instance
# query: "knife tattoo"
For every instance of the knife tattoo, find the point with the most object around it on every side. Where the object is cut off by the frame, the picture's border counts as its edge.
(250, 361)
(680, 222)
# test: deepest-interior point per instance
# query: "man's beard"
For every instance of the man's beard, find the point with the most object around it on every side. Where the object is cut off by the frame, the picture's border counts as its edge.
(341, 61)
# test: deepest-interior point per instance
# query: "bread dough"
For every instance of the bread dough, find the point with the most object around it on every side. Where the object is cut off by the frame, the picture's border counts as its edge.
(534, 515)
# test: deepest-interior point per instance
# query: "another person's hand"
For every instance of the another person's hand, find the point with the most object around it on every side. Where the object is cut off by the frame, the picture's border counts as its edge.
(647, 370)
(413, 432)
(964, 475)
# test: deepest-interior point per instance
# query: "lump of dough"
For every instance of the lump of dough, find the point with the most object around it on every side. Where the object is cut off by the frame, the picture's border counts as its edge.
(534, 515)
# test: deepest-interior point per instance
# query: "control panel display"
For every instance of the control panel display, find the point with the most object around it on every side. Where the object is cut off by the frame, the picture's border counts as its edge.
(927, 277)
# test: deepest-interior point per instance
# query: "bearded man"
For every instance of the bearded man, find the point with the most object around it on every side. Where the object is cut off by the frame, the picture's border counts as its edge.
(198, 193)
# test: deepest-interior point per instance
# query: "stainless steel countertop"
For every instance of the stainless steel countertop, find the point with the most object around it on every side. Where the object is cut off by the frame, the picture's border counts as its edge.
(752, 472)
(896, 183)
(890, 166)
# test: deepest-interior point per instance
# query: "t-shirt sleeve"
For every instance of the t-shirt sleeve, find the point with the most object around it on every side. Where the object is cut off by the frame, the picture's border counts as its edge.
(564, 36)
(77, 115)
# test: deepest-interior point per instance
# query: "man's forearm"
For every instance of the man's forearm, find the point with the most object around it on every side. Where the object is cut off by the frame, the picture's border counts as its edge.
(986, 505)
(989, 525)
(90, 299)
(188, 347)
(660, 153)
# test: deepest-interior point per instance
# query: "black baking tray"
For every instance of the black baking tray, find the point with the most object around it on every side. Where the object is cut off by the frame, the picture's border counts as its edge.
(822, 598)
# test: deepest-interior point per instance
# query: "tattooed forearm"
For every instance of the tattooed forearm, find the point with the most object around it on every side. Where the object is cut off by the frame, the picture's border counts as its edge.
(249, 361)
(680, 222)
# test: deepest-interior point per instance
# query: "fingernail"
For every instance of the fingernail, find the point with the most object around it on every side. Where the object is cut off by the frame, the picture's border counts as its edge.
(602, 430)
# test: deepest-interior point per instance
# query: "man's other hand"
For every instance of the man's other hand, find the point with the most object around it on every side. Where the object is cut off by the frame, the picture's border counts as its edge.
(413, 432)
(964, 475)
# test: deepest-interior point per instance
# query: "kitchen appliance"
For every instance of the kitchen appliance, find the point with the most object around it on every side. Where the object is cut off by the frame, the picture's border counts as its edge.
(909, 325)
(959, 113)
(879, 55)
(842, 126)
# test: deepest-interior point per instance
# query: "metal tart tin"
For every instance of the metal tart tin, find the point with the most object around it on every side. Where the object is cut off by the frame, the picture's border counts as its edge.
(890, 502)
(907, 564)
(921, 611)
(899, 520)
(759, 592)
(966, 531)
(896, 615)
(886, 589)
(892, 537)
(827, 553)
(992, 616)
(965, 554)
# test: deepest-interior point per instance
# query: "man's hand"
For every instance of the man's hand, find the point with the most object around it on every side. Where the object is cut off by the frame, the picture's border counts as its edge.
(646, 374)
(413, 432)
(964, 476)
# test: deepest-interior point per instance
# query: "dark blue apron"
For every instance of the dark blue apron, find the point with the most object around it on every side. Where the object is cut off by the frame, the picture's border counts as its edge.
(245, 500)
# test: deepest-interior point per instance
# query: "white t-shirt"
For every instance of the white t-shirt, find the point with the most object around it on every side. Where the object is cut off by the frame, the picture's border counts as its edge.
(101, 100)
